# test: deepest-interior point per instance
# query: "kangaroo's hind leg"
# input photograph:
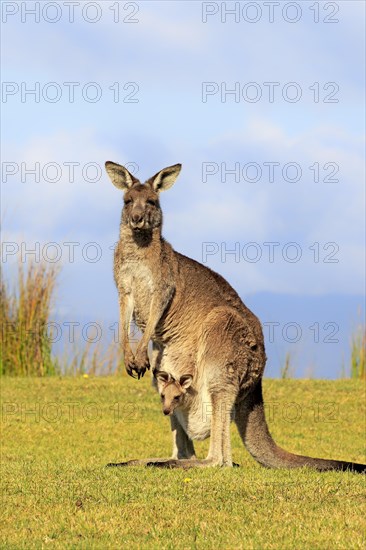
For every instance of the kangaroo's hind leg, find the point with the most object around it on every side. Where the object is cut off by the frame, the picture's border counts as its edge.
(182, 444)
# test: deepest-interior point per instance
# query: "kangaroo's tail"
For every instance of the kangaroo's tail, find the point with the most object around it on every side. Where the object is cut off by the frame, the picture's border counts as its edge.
(251, 422)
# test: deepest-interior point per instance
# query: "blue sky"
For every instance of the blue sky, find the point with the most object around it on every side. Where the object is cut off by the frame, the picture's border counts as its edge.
(168, 55)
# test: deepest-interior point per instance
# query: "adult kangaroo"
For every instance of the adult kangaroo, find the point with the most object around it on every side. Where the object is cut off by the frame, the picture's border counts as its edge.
(203, 336)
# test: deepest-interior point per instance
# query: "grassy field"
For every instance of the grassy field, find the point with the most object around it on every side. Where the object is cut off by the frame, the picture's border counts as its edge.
(58, 433)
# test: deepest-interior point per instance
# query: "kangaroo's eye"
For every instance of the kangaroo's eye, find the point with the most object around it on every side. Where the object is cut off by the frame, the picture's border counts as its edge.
(151, 202)
(176, 398)
(128, 201)
(162, 396)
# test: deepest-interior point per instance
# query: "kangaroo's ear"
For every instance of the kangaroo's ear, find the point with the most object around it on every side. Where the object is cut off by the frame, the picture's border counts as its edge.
(164, 179)
(185, 381)
(162, 376)
(120, 176)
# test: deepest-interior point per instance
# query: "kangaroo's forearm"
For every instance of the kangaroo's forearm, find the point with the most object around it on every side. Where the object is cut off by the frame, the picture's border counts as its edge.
(126, 310)
(156, 311)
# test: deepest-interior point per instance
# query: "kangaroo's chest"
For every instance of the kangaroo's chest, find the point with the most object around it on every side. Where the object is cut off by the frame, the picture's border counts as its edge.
(137, 280)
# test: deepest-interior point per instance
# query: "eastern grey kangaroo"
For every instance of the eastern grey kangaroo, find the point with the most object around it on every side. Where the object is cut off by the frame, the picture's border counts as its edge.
(204, 338)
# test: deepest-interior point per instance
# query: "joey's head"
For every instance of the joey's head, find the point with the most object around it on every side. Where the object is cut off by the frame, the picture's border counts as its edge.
(141, 211)
(171, 391)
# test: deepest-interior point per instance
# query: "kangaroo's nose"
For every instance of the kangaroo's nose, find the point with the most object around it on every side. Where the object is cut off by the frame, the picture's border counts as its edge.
(166, 411)
(136, 217)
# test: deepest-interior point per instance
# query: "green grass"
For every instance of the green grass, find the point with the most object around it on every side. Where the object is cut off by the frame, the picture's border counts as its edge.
(58, 433)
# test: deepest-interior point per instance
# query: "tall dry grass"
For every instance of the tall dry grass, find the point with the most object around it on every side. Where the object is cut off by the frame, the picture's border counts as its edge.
(24, 314)
(358, 353)
(90, 359)
(287, 370)
(26, 332)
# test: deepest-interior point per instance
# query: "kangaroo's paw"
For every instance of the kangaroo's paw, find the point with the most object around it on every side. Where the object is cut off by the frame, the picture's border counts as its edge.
(143, 462)
(190, 463)
(174, 463)
(183, 463)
